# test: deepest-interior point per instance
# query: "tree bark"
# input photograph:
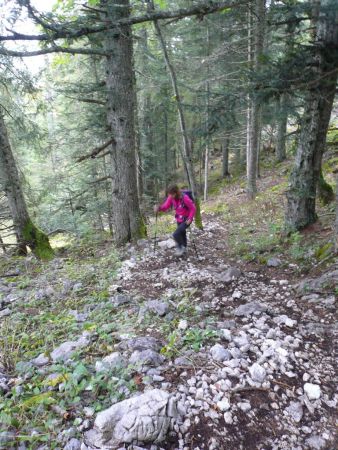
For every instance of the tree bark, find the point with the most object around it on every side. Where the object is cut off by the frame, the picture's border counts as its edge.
(225, 157)
(186, 149)
(27, 233)
(336, 223)
(301, 196)
(282, 118)
(127, 220)
(255, 116)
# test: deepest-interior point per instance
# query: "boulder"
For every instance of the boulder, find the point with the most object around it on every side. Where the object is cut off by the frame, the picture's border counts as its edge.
(145, 418)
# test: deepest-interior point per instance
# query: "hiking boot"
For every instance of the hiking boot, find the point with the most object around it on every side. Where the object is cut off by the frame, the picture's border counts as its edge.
(180, 251)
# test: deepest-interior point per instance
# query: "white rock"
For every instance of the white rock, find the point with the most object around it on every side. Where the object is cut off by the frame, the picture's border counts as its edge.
(312, 391)
(228, 418)
(257, 373)
(219, 353)
(109, 362)
(295, 411)
(244, 406)
(223, 405)
(306, 377)
(227, 334)
(182, 325)
(144, 418)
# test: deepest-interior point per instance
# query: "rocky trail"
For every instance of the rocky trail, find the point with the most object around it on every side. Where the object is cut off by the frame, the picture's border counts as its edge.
(223, 355)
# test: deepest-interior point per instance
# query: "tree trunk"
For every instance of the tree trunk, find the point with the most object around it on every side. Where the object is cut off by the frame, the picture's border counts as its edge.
(282, 118)
(225, 157)
(206, 173)
(255, 115)
(336, 224)
(27, 233)
(325, 191)
(127, 221)
(301, 206)
(186, 151)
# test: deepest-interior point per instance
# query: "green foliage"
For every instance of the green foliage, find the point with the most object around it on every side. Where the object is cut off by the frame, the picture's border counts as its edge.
(324, 251)
(195, 338)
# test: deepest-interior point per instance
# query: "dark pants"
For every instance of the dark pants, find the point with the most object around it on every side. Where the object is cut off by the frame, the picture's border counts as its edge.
(180, 234)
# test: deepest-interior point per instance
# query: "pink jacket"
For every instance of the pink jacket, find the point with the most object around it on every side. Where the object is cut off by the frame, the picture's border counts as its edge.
(184, 208)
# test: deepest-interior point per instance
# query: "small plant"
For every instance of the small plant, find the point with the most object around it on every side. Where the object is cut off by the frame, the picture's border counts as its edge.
(195, 338)
(10, 345)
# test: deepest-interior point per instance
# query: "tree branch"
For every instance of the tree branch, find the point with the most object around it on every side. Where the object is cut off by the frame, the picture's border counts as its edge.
(96, 150)
(52, 49)
(200, 10)
(87, 100)
(99, 180)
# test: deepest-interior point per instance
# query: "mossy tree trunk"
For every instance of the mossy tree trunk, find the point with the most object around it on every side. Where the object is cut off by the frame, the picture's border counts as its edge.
(27, 233)
(325, 190)
(128, 223)
(301, 197)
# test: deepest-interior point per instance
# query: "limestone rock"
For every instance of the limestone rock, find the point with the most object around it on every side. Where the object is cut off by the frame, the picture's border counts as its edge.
(157, 307)
(219, 353)
(146, 357)
(312, 391)
(250, 308)
(169, 243)
(66, 350)
(257, 373)
(145, 418)
(274, 262)
(121, 299)
(229, 275)
(110, 362)
(295, 411)
(40, 360)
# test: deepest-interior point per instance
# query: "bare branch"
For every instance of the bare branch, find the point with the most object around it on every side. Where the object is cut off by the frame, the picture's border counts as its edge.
(96, 150)
(99, 180)
(52, 49)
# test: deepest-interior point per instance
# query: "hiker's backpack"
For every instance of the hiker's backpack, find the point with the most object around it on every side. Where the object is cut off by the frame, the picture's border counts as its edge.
(189, 194)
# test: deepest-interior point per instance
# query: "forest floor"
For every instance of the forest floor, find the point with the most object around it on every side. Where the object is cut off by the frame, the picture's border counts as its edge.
(240, 333)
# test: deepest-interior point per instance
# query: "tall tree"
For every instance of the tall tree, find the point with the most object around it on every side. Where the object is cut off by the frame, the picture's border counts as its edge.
(301, 196)
(127, 221)
(255, 103)
(26, 232)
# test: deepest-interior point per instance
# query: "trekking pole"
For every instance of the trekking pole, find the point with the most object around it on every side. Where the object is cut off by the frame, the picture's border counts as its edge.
(155, 238)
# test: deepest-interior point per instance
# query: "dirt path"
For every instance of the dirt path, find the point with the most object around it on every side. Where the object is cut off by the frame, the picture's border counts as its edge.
(275, 389)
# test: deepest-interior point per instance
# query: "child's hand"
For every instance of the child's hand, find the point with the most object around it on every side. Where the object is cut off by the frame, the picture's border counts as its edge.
(188, 222)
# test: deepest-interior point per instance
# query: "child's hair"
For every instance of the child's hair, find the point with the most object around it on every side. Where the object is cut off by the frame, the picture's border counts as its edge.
(173, 189)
